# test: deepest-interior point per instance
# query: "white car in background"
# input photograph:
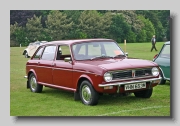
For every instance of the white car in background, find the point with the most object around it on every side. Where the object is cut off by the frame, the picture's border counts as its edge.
(31, 48)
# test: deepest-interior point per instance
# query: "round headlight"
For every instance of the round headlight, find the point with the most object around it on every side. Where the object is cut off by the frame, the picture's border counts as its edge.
(107, 77)
(155, 71)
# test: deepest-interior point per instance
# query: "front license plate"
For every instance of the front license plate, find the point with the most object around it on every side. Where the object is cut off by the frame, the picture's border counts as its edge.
(134, 86)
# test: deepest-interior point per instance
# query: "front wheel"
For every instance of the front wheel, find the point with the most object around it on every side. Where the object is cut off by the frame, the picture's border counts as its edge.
(34, 86)
(144, 93)
(87, 94)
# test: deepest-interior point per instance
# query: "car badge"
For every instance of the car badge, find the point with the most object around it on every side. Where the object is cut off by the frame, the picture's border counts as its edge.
(133, 73)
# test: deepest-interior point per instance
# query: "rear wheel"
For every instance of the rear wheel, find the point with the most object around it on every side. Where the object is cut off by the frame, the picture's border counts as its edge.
(144, 93)
(87, 94)
(34, 86)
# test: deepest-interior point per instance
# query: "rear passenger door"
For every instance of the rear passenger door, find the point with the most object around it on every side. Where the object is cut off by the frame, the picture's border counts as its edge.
(62, 73)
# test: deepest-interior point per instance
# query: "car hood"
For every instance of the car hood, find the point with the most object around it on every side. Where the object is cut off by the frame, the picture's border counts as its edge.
(114, 64)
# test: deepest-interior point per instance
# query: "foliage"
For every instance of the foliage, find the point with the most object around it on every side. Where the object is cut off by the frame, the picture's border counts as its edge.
(18, 34)
(147, 31)
(58, 25)
(119, 28)
(93, 24)
(35, 29)
(48, 25)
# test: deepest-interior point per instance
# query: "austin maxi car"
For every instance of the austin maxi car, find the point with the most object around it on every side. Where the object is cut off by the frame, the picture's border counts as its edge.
(163, 60)
(90, 68)
(31, 48)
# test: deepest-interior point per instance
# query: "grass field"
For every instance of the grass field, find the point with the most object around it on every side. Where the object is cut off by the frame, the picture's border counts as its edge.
(53, 102)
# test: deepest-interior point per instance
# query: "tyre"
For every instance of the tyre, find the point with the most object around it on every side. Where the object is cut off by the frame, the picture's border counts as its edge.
(162, 81)
(144, 93)
(34, 86)
(87, 94)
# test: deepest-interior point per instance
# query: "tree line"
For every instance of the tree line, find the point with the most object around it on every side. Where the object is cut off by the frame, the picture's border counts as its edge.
(46, 25)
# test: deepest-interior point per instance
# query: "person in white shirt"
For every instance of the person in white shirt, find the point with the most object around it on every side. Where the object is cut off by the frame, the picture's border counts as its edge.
(153, 40)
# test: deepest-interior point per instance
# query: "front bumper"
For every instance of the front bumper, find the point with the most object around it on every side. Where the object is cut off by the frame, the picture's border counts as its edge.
(152, 80)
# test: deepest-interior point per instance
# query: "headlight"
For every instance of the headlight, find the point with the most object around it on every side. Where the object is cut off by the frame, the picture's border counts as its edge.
(107, 77)
(155, 71)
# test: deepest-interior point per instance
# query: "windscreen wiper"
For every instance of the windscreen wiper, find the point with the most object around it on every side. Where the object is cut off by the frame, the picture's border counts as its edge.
(120, 55)
(103, 56)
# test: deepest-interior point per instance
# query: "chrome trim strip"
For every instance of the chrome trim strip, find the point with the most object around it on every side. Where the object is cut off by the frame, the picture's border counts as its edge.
(131, 78)
(56, 86)
(129, 82)
(132, 69)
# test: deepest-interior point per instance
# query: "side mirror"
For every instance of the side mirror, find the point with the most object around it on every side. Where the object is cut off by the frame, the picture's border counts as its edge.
(126, 53)
(67, 59)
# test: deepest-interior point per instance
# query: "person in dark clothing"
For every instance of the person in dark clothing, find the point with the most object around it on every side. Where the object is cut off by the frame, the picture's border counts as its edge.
(153, 41)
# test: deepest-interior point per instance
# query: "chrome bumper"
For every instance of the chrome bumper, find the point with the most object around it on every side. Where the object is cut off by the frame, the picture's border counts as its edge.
(129, 82)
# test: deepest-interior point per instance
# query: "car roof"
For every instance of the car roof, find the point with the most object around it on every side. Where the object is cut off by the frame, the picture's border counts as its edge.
(167, 43)
(69, 42)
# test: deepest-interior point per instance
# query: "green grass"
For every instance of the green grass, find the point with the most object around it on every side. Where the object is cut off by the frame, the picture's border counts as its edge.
(54, 102)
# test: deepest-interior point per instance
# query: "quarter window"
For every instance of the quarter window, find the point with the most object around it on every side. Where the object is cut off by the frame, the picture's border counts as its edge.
(38, 54)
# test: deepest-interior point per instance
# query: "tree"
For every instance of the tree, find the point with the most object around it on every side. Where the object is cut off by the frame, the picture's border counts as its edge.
(17, 35)
(119, 29)
(153, 16)
(130, 17)
(21, 16)
(147, 30)
(93, 24)
(34, 29)
(58, 25)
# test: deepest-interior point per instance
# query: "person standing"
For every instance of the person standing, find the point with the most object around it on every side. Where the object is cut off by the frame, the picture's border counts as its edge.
(153, 41)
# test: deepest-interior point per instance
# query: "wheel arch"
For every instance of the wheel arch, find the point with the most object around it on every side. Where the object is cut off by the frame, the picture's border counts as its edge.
(162, 73)
(30, 72)
(26, 50)
(81, 79)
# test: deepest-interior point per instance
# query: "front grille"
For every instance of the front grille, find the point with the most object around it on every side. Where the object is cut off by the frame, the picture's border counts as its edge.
(135, 73)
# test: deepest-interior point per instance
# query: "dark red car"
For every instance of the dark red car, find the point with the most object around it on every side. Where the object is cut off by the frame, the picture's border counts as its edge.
(89, 68)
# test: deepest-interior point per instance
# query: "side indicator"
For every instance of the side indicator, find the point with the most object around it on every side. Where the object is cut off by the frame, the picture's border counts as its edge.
(108, 87)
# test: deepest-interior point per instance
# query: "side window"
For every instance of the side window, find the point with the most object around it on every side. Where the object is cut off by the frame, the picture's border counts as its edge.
(49, 53)
(165, 52)
(38, 53)
(63, 51)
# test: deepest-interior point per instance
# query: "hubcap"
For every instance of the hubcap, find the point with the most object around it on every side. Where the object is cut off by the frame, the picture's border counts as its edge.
(86, 93)
(33, 83)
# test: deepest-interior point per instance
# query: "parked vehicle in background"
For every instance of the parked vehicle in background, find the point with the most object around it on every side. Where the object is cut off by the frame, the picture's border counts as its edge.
(31, 48)
(163, 60)
(89, 68)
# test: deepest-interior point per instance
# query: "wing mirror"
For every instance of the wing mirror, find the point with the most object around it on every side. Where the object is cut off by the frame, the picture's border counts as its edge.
(126, 53)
